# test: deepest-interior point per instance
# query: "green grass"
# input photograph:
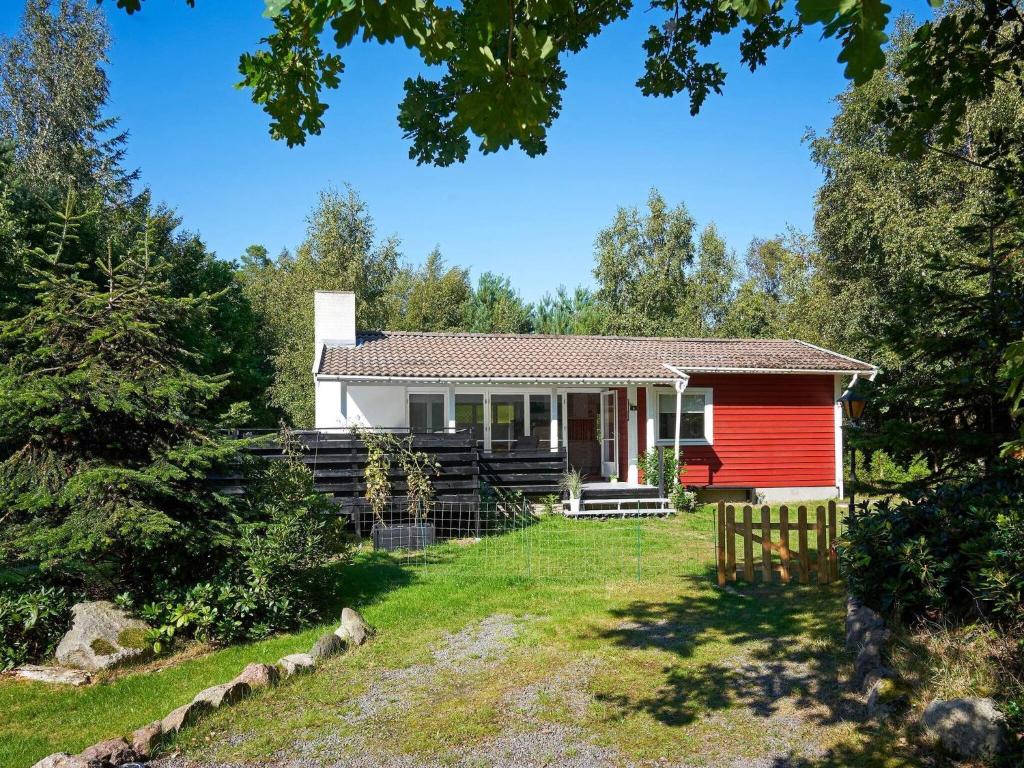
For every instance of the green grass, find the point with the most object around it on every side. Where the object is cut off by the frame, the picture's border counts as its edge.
(669, 658)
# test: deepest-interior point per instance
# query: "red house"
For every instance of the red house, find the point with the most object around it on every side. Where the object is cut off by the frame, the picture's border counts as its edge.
(752, 414)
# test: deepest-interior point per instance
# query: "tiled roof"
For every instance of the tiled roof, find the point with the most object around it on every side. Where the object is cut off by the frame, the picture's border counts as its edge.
(404, 355)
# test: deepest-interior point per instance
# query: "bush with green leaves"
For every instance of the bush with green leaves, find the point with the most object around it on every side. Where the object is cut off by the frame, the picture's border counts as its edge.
(954, 552)
(650, 466)
(283, 531)
(683, 499)
(32, 622)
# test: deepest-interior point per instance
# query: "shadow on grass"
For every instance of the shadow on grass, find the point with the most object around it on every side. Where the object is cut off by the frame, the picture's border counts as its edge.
(791, 640)
(359, 581)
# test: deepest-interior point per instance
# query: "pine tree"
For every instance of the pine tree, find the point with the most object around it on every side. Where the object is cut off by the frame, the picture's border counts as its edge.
(106, 435)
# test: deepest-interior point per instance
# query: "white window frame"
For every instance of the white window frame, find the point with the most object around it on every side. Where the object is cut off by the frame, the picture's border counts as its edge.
(709, 413)
(443, 391)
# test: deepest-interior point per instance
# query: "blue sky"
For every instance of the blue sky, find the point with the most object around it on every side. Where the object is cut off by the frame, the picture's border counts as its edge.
(203, 147)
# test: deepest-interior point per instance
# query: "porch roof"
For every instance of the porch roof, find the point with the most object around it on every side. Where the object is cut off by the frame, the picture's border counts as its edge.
(406, 355)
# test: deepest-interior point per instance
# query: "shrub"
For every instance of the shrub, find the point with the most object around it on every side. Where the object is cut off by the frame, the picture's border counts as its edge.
(32, 622)
(683, 499)
(956, 551)
(648, 463)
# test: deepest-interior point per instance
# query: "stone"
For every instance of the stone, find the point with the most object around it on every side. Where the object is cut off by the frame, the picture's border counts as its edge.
(885, 697)
(111, 752)
(259, 676)
(184, 716)
(225, 694)
(326, 646)
(860, 621)
(353, 630)
(295, 664)
(867, 663)
(146, 739)
(62, 760)
(55, 675)
(101, 636)
(971, 728)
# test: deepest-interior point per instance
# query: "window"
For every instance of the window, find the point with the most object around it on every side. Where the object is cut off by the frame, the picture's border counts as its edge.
(507, 421)
(694, 422)
(540, 419)
(426, 413)
(469, 414)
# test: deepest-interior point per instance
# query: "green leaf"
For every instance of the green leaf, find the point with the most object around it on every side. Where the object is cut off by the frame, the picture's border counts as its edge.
(274, 8)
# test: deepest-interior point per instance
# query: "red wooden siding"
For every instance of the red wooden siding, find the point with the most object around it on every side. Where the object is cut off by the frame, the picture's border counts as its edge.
(769, 431)
(622, 416)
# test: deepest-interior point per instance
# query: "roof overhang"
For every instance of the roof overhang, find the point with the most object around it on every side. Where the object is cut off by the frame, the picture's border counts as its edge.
(673, 374)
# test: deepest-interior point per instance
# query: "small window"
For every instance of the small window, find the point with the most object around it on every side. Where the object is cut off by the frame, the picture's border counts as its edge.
(693, 424)
(426, 413)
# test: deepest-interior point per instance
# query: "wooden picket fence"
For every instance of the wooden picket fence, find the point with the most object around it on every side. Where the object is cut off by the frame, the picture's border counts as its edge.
(777, 555)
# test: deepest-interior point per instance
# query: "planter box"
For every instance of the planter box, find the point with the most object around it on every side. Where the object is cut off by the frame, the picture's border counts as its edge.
(405, 536)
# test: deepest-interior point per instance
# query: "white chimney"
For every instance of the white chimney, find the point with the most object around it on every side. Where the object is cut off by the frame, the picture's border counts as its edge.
(334, 314)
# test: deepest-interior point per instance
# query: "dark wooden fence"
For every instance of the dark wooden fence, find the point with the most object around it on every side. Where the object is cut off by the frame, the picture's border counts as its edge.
(532, 473)
(338, 461)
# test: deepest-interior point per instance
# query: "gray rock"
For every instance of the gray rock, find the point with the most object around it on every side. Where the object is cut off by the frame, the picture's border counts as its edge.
(101, 636)
(61, 760)
(296, 664)
(885, 697)
(146, 739)
(860, 621)
(259, 676)
(353, 629)
(225, 694)
(184, 716)
(971, 728)
(326, 646)
(866, 665)
(55, 675)
(111, 752)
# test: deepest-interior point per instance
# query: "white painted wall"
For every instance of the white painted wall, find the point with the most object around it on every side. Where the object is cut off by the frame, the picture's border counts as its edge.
(329, 402)
(381, 405)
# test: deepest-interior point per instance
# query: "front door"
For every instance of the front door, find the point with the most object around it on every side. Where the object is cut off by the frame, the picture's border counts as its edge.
(583, 422)
(609, 434)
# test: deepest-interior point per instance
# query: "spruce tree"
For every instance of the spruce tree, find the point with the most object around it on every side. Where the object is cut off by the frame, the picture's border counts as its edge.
(106, 432)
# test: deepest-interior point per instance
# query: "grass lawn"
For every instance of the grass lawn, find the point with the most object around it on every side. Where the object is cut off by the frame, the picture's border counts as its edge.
(537, 647)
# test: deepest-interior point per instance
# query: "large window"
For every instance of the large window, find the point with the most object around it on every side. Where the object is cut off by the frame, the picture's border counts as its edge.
(426, 412)
(507, 421)
(694, 422)
(540, 419)
(469, 414)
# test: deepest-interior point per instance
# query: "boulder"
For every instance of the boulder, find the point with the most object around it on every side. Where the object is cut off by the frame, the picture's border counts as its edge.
(259, 676)
(860, 622)
(885, 697)
(326, 646)
(53, 675)
(184, 716)
(225, 694)
(111, 752)
(61, 760)
(101, 636)
(353, 630)
(296, 664)
(146, 739)
(971, 728)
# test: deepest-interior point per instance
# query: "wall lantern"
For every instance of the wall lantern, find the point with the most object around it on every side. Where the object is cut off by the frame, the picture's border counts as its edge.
(853, 406)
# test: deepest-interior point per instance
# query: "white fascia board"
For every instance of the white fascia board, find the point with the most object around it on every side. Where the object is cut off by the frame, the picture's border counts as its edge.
(522, 380)
(867, 366)
(316, 360)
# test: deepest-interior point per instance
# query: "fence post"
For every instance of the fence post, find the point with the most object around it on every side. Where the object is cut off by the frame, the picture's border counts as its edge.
(639, 545)
(730, 543)
(748, 543)
(766, 544)
(823, 569)
(833, 557)
(805, 558)
(784, 543)
(720, 549)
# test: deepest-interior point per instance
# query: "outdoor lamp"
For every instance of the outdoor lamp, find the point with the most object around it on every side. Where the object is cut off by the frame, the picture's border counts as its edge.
(853, 406)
